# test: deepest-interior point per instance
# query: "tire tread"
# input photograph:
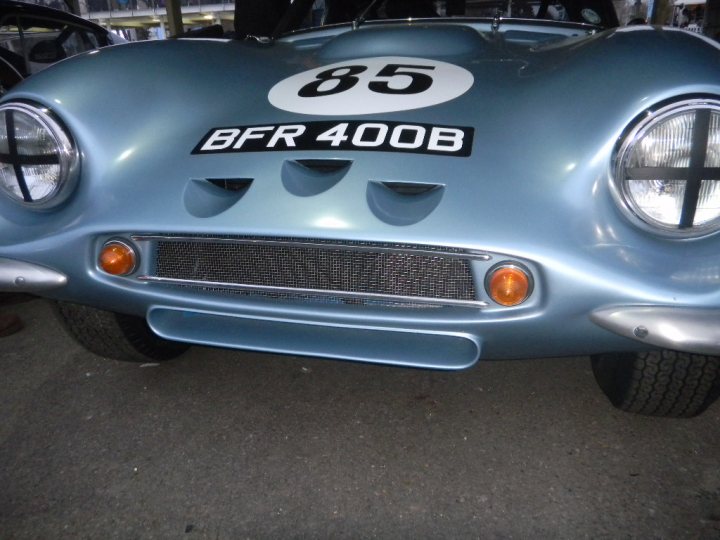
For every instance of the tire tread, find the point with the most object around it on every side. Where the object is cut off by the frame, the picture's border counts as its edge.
(659, 383)
(115, 335)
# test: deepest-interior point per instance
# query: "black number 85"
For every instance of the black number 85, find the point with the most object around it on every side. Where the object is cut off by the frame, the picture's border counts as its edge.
(345, 77)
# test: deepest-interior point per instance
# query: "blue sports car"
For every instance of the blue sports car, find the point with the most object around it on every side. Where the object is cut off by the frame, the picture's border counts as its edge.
(422, 184)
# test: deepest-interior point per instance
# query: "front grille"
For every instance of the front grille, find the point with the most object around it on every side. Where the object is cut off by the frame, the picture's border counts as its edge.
(355, 270)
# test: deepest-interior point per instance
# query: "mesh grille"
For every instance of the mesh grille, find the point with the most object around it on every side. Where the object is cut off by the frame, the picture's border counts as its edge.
(338, 268)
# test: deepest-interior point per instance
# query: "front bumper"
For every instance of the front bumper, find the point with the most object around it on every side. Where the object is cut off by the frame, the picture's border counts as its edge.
(678, 328)
(443, 338)
(20, 276)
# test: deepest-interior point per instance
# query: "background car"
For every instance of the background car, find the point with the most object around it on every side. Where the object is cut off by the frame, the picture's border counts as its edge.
(421, 184)
(32, 37)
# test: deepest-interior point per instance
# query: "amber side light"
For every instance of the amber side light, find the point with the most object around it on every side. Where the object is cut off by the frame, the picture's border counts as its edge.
(509, 285)
(117, 258)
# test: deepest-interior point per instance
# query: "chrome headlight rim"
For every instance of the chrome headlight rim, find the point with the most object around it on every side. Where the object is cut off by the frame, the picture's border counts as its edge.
(66, 150)
(619, 188)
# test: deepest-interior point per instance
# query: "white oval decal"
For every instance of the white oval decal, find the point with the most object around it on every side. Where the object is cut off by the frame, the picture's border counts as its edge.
(371, 85)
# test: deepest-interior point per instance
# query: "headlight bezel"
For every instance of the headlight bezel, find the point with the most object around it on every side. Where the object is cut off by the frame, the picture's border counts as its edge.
(65, 148)
(637, 130)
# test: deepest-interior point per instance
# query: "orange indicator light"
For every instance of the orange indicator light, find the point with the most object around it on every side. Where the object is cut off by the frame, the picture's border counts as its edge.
(117, 258)
(509, 285)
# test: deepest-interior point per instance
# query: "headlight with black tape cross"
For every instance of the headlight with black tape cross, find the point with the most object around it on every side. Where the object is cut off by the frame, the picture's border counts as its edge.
(38, 159)
(667, 175)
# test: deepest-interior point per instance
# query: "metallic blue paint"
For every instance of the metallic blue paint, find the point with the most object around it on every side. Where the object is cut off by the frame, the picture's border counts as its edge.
(547, 109)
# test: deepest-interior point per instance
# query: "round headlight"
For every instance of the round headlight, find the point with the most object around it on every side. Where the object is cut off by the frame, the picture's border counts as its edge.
(667, 175)
(37, 156)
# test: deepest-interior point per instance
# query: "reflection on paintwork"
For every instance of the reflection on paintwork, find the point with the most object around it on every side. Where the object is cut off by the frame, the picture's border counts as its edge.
(126, 154)
(331, 222)
(708, 275)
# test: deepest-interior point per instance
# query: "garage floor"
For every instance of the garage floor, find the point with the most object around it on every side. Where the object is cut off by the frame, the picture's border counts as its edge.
(222, 444)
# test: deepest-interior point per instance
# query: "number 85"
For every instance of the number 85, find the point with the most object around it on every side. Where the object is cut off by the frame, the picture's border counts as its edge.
(345, 78)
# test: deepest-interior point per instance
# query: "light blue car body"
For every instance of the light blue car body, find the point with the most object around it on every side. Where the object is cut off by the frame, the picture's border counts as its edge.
(548, 104)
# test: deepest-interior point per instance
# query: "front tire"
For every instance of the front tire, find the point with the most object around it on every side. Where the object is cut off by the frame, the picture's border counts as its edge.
(115, 335)
(659, 383)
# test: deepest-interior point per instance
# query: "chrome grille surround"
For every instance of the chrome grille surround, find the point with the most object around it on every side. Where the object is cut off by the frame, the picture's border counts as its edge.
(337, 271)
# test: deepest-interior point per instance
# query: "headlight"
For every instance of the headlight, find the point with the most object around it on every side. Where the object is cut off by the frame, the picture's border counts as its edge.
(667, 174)
(37, 156)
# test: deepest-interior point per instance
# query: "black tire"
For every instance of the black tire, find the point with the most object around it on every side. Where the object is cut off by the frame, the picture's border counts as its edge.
(116, 336)
(659, 383)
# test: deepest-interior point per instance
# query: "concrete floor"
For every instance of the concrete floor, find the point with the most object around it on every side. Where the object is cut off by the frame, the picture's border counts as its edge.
(222, 444)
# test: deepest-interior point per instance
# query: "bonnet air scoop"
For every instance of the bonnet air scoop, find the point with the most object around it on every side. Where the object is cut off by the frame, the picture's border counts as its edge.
(430, 39)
